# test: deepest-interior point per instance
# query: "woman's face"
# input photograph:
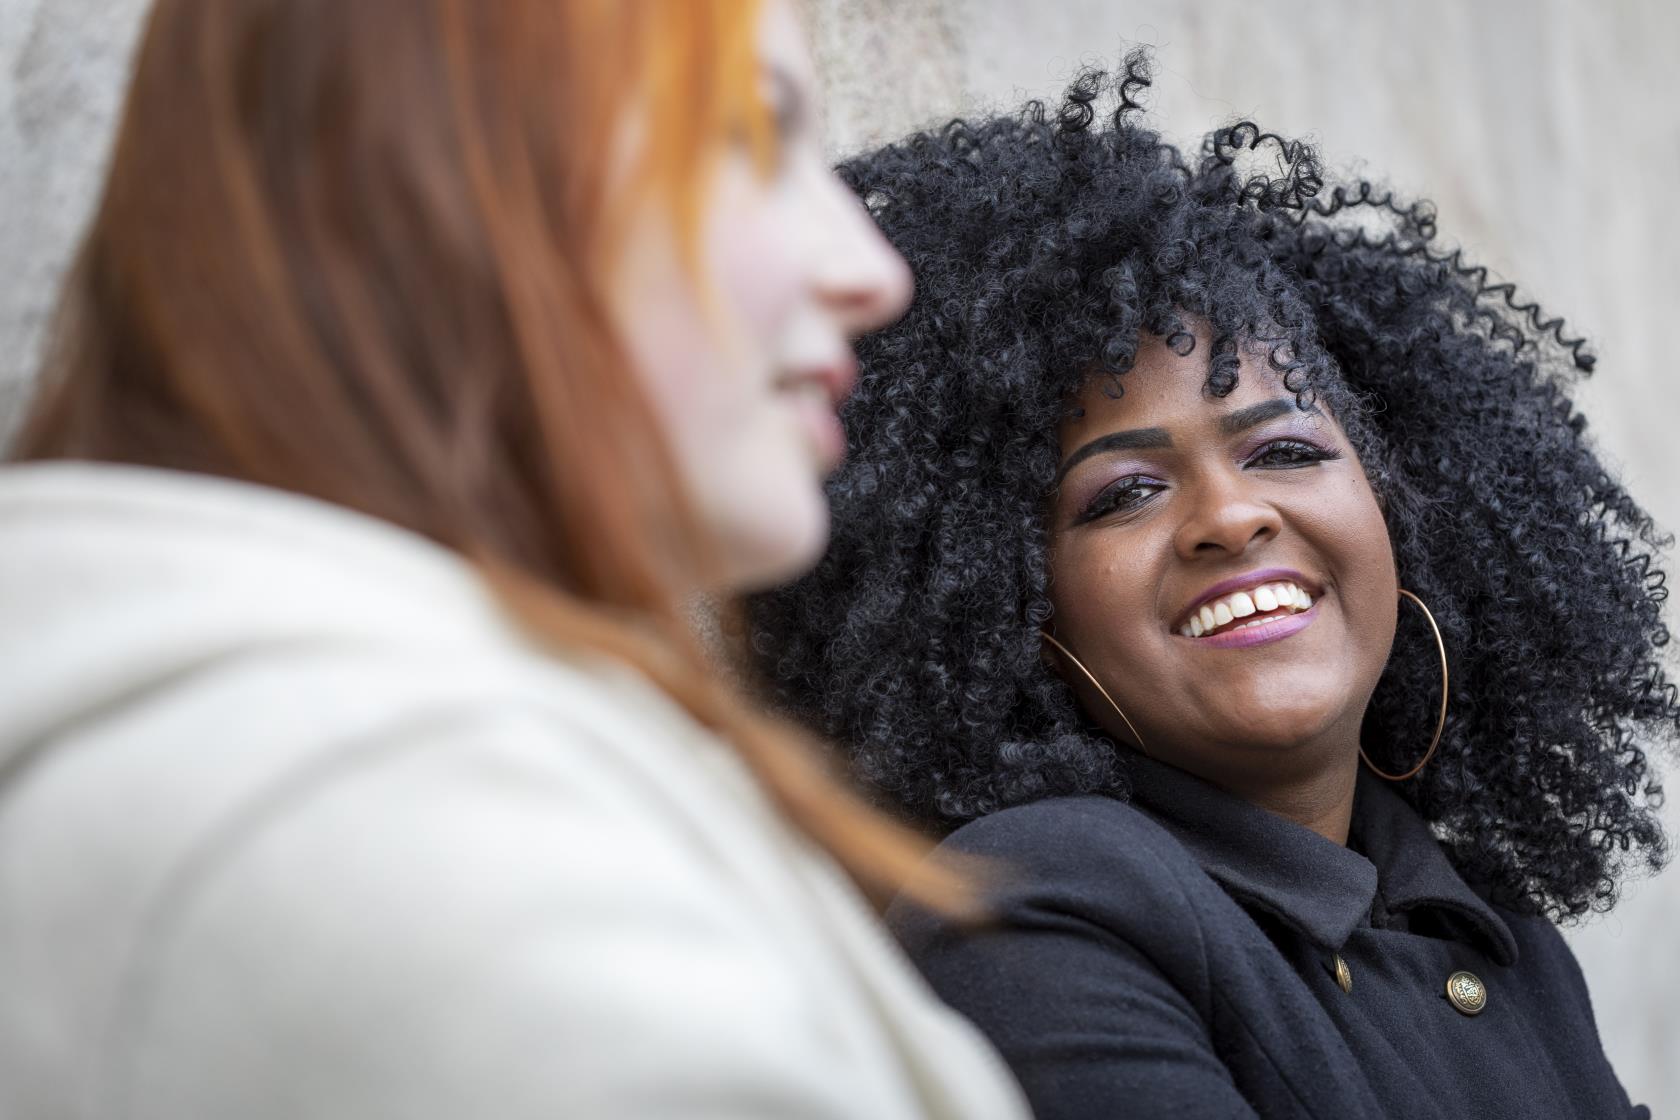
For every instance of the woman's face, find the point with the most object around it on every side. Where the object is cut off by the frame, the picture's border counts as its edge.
(1222, 567)
(746, 363)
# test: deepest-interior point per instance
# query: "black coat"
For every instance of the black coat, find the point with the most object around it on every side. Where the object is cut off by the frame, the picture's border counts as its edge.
(1176, 956)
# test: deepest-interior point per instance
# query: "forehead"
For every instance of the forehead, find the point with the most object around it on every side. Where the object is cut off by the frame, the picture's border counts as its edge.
(1165, 389)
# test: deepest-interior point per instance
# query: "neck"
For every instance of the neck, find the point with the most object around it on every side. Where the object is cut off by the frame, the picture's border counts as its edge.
(1323, 802)
(1312, 786)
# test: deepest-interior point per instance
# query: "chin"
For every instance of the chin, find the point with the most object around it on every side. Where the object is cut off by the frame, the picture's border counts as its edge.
(1280, 730)
(778, 543)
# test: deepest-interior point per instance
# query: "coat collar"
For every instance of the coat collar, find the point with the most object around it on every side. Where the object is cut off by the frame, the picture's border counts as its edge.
(1317, 887)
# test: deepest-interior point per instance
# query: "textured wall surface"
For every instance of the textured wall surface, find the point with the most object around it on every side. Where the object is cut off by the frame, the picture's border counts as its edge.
(62, 68)
(1548, 132)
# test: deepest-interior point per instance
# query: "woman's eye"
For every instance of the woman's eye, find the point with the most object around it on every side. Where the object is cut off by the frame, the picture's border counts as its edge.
(787, 118)
(785, 121)
(1290, 453)
(1122, 496)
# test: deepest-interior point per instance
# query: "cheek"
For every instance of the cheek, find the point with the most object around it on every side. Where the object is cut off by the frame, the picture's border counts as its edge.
(704, 345)
(659, 317)
(752, 258)
(1102, 595)
(1348, 529)
(1366, 540)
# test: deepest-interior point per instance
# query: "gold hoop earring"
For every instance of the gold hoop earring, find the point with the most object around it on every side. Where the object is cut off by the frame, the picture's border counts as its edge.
(1440, 720)
(1068, 653)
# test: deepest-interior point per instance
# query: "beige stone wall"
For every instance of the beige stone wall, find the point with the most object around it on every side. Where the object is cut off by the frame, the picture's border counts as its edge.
(63, 64)
(1548, 131)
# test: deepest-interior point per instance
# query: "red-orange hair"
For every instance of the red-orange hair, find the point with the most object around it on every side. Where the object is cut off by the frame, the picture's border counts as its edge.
(358, 250)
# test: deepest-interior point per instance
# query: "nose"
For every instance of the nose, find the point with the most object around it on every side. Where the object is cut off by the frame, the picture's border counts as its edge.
(1225, 517)
(859, 277)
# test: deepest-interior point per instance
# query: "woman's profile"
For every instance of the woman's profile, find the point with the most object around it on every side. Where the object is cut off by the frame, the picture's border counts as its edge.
(423, 361)
(1227, 561)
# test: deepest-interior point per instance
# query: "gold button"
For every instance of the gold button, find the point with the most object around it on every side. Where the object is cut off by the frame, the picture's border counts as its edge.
(1466, 993)
(1339, 969)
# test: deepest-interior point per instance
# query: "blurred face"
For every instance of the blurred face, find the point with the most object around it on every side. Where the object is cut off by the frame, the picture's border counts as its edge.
(747, 363)
(1222, 567)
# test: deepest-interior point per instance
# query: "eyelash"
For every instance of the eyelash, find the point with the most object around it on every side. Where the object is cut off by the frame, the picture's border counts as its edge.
(1301, 454)
(785, 128)
(784, 121)
(1305, 454)
(1107, 499)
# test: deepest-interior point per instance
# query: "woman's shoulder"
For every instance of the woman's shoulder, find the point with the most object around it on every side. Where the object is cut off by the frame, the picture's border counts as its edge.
(552, 850)
(1106, 817)
(1094, 857)
(1547, 963)
(1103, 968)
(1077, 839)
(603, 758)
(485, 867)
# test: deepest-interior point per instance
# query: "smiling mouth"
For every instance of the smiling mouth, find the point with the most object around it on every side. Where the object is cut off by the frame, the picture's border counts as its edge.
(1256, 606)
(814, 412)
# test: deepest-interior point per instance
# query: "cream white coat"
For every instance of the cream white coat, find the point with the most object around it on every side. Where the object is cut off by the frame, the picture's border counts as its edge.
(295, 823)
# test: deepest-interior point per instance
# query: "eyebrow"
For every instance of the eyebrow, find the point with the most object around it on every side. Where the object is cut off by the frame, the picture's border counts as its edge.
(1256, 414)
(1115, 441)
(1136, 438)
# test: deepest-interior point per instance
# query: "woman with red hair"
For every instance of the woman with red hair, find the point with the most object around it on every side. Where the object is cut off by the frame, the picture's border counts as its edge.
(423, 361)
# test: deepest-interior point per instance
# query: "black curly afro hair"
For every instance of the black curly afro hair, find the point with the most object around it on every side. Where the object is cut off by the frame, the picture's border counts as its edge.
(1045, 244)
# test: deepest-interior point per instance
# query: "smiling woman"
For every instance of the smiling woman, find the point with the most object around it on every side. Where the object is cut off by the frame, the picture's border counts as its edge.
(1188, 504)
(1188, 532)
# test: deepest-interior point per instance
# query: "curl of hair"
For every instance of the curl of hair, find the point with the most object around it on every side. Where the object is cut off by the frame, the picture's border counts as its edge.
(1044, 245)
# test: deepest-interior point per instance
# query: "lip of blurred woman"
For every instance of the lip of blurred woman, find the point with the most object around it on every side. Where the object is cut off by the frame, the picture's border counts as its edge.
(816, 393)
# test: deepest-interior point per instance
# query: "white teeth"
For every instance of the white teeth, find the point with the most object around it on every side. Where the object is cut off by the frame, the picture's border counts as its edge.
(1261, 600)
